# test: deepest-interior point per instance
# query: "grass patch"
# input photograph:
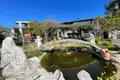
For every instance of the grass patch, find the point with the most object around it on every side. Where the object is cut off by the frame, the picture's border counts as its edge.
(32, 51)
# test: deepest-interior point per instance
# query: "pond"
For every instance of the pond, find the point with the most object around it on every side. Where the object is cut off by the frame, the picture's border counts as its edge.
(71, 62)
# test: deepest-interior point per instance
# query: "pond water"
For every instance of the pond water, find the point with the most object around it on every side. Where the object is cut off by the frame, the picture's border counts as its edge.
(70, 63)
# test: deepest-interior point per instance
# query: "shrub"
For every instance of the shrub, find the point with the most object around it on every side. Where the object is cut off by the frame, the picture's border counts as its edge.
(98, 38)
(107, 43)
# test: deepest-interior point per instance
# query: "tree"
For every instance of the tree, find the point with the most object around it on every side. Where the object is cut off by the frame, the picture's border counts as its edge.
(111, 22)
(44, 28)
(50, 26)
(112, 6)
(35, 28)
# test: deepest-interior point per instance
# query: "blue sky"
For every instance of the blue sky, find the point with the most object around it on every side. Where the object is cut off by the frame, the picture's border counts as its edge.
(59, 10)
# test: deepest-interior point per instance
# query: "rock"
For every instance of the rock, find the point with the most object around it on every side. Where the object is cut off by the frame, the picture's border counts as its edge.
(10, 79)
(83, 75)
(106, 54)
(42, 74)
(47, 77)
(92, 38)
(67, 42)
(31, 67)
(17, 67)
(34, 63)
(56, 76)
(59, 75)
(12, 59)
(116, 59)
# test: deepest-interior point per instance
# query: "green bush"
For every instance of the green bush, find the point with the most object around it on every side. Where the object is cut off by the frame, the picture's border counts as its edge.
(98, 38)
(107, 43)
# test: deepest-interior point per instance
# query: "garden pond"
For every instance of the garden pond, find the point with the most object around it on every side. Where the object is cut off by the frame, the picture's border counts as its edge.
(70, 62)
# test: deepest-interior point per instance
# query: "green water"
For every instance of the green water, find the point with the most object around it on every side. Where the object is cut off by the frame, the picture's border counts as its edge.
(70, 64)
(63, 60)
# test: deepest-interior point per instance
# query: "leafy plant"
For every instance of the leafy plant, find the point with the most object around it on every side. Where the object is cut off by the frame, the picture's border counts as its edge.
(107, 43)
(98, 38)
(104, 76)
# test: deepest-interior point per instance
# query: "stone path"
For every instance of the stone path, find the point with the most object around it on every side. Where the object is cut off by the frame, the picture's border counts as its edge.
(116, 42)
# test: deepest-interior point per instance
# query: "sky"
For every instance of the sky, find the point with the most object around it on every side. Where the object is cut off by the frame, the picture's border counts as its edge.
(58, 10)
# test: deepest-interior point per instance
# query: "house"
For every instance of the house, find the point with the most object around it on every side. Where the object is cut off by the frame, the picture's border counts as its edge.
(115, 34)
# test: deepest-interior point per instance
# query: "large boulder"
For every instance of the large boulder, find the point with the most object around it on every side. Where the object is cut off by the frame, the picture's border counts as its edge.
(17, 67)
(83, 75)
(12, 59)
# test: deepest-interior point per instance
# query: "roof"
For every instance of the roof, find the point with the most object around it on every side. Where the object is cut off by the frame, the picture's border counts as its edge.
(71, 22)
(24, 22)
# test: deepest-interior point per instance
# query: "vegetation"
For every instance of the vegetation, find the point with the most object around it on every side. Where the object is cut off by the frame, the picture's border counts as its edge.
(111, 22)
(112, 6)
(105, 44)
(104, 76)
(1, 78)
(42, 29)
(47, 29)
(4, 29)
(35, 28)
(77, 26)
(32, 51)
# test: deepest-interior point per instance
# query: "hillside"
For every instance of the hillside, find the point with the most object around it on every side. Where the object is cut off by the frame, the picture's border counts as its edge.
(7, 32)
(4, 29)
